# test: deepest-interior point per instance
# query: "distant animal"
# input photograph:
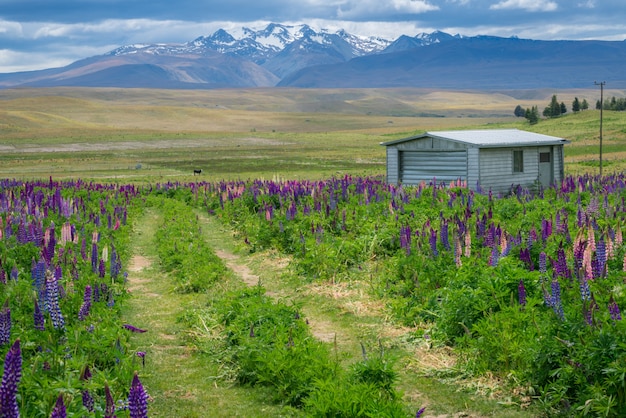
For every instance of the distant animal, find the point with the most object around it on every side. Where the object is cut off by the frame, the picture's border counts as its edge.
(199, 171)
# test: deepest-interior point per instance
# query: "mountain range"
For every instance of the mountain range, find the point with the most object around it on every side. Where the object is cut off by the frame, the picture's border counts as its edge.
(299, 56)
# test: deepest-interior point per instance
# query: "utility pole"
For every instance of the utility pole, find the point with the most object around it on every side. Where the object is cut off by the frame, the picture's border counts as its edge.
(601, 84)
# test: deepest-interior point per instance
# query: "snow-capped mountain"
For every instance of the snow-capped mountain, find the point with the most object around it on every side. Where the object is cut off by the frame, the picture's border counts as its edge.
(281, 49)
(301, 56)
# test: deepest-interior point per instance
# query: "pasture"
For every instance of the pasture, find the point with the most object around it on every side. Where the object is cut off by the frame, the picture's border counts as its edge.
(323, 294)
(159, 135)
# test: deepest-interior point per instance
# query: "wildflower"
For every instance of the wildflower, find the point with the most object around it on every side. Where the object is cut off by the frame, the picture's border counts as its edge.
(614, 310)
(88, 401)
(109, 411)
(521, 291)
(14, 273)
(419, 412)
(457, 251)
(589, 309)
(5, 324)
(59, 408)
(601, 256)
(137, 399)
(542, 262)
(557, 305)
(405, 239)
(10, 379)
(142, 356)
(433, 242)
(494, 257)
(52, 301)
(38, 318)
(133, 328)
(86, 306)
(443, 233)
(585, 292)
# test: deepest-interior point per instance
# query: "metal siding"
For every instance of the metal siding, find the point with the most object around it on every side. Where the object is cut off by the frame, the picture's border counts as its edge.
(393, 165)
(473, 167)
(558, 164)
(496, 169)
(444, 166)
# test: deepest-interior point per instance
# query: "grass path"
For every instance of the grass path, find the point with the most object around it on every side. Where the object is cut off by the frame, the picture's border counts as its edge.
(180, 382)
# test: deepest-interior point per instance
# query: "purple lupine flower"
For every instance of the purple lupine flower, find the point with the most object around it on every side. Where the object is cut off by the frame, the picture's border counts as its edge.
(14, 273)
(583, 284)
(137, 399)
(142, 356)
(109, 410)
(86, 306)
(88, 401)
(433, 242)
(5, 324)
(10, 379)
(102, 268)
(59, 410)
(546, 229)
(589, 309)
(38, 318)
(561, 264)
(601, 256)
(133, 328)
(443, 233)
(614, 310)
(52, 301)
(420, 412)
(405, 239)
(521, 293)
(557, 305)
(542, 262)
(524, 256)
(495, 255)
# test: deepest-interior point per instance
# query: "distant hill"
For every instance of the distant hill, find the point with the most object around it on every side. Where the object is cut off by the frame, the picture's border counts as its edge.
(477, 63)
(299, 56)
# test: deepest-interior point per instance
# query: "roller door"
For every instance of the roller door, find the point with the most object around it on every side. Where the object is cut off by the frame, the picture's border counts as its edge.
(445, 166)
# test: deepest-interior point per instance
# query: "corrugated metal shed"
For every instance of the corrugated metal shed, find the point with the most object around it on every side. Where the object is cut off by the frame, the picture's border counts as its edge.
(495, 159)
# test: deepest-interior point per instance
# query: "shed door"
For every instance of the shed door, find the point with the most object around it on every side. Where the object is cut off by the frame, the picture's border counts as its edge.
(546, 176)
(444, 166)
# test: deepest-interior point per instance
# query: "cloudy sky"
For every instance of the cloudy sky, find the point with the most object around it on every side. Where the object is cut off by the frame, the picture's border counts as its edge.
(37, 34)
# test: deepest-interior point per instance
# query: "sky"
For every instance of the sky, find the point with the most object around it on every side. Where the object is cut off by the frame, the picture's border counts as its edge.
(39, 34)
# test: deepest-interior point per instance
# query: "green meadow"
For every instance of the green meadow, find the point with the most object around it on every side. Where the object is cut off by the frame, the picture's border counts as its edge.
(159, 135)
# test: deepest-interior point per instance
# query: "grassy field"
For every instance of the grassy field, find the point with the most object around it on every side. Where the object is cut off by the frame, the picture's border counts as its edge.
(161, 135)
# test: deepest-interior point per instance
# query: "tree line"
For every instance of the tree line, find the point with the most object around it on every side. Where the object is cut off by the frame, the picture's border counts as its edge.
(553, 110)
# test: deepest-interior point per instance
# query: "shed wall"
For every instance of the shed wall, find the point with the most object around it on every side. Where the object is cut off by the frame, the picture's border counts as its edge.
(428, 165)
(393, 166)
(496, 169)
(559, 169)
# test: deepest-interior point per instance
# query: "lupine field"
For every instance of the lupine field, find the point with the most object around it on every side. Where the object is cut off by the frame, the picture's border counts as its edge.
(527, 287)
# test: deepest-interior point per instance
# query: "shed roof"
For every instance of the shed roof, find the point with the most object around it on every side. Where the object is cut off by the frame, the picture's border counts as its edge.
(489, 138)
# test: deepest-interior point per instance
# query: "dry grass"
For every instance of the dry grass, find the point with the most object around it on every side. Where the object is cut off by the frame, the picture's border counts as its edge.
(139, 135)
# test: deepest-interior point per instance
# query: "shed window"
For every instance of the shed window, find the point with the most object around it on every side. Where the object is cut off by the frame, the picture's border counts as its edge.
(518, 161)
(544, 157)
